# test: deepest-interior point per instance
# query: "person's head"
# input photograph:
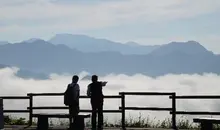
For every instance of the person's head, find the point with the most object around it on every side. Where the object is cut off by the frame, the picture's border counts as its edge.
(75, 79)
(94, 78)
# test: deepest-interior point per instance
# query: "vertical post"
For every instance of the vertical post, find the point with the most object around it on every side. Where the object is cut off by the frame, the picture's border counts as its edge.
(123, 110)
(174, 111)
(1, 115)
(30, 109)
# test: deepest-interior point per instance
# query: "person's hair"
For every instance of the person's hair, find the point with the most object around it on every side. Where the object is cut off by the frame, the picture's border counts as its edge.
(94, 78)
(75, 79)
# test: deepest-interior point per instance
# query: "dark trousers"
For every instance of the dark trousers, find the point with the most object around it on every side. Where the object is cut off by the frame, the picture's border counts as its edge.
(97, 107)
(73, 112)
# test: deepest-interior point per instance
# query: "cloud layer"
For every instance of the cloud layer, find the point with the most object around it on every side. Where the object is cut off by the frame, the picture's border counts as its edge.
(181, 84)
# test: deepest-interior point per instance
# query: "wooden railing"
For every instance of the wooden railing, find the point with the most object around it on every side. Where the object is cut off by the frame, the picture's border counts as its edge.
(31, 107)
(169, 109)
(195, 97)
(122, 96)
(15, 98)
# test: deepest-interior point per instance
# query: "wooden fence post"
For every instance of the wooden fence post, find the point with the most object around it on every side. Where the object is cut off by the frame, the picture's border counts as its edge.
(174, 111)
(30, 109)
(1, 115)
(123, 110)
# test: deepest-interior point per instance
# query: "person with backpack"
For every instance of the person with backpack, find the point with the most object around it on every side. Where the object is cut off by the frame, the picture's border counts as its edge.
(71, 98)
(95, 93)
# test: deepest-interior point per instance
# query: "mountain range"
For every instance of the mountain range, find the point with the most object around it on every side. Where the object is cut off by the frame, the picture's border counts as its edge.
(88, 44)
(57, 55)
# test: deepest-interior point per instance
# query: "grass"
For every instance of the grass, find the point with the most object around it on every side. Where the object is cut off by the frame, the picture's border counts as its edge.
(139, 122)
(14, 121)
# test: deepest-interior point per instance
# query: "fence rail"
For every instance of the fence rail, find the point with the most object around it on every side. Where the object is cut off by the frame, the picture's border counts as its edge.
(195, 97)
(198, 97)
(15, 98)
(147, 108)
(146, 93)
(122, 109)
(16, 111)
(31, 108)
(196, 113)
(62, 94)
(172, 108)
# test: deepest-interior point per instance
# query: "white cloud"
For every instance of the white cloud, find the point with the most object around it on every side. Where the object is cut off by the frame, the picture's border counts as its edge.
(181, 84)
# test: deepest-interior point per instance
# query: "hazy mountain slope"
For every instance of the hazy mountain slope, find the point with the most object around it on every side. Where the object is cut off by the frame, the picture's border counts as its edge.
(190, 47)
(38, 55)
(89, 44)
(43, 57)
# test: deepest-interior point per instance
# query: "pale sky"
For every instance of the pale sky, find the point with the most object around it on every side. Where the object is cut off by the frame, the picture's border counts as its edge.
(147, 22)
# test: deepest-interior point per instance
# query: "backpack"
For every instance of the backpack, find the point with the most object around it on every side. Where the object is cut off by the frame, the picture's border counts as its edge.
(68, 94)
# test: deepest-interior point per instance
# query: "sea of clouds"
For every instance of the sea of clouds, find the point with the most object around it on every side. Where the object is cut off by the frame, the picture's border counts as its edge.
(206, 84)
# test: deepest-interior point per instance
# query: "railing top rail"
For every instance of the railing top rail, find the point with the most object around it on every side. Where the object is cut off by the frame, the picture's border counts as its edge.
(16, 111)
(45, 94)
(147, 108)
(14, 97)
(148, 93)
(65, 107)
(198, 97)
(197, 112)
(61, 94)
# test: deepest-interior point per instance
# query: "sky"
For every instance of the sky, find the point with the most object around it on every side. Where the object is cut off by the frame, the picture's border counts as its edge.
(206, 84)
(147, 22)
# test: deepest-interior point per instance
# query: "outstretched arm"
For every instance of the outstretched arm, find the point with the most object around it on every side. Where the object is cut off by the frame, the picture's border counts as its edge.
(104, 83)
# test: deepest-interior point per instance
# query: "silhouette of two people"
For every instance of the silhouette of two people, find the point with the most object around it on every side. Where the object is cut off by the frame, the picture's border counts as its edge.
(94, 91)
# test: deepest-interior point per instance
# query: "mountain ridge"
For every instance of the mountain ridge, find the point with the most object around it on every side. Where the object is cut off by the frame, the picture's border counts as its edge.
(44, 57)
(189, 47)
(86, 43)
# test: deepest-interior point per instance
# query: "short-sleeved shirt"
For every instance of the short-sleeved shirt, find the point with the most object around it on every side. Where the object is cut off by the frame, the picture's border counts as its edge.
(76, 90)
(95, 90)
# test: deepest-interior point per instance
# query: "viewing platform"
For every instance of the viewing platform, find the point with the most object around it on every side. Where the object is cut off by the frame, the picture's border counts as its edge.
(65, 128)
(30, 110)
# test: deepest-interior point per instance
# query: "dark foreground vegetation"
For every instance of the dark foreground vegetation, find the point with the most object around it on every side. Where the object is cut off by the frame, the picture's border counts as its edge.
(140, 122)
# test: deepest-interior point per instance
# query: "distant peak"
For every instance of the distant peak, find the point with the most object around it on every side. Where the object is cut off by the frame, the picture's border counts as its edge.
(131, 43)
(189, 47)
(188, 43)
(32, 40)
(70, 35)
(193, 42)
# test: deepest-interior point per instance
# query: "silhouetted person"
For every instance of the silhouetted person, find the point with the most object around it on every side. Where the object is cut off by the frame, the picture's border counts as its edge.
(72, 98)
(95, 93)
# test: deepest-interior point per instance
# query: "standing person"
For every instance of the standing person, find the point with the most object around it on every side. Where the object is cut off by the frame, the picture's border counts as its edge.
(71, 99)
(95, 93)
